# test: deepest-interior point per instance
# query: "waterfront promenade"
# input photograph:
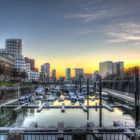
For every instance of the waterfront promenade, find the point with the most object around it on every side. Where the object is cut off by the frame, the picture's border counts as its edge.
(123, 96)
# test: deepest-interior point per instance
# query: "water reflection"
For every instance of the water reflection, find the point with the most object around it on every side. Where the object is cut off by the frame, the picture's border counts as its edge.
(73, 117)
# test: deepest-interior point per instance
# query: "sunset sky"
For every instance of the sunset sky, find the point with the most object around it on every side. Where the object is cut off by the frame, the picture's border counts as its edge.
(74, 33)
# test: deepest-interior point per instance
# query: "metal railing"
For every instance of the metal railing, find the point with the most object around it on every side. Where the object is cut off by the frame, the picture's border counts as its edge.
(71, 136)
(121, 92)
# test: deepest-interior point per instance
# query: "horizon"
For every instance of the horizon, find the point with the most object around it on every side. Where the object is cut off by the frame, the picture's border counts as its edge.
(76, 34)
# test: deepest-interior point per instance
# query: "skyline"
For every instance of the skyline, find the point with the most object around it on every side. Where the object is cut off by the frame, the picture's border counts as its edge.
(74, 33)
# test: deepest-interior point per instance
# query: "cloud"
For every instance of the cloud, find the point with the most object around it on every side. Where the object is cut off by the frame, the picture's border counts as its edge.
(86, 32)
(91, 16)
(100, 11)
(123, 33)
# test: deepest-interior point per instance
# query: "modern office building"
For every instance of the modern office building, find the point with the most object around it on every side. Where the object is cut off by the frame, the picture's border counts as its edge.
(68, 74)
(31, 62)
(79, 72)
(54, 75)
(45, 69)
(105, 68)
(118, 68)
(111, 68)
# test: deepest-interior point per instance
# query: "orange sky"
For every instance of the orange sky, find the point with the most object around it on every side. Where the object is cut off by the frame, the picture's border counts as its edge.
(89, 66)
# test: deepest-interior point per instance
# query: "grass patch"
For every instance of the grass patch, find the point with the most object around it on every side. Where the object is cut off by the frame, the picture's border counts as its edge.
(7, 83)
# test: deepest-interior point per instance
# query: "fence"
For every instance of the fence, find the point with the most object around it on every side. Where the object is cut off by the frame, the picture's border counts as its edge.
(70, 136)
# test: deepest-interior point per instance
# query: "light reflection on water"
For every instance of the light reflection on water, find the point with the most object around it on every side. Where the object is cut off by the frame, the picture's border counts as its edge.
(73, 117)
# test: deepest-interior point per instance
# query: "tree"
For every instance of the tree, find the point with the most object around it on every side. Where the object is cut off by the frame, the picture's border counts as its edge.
(15, 74)
(2, 70)
(23, 75)
(129, 73)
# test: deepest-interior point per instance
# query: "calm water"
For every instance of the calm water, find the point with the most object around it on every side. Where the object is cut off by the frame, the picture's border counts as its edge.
(75, 117)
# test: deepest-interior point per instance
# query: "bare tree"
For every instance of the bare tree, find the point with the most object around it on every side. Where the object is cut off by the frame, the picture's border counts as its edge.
(2, 70)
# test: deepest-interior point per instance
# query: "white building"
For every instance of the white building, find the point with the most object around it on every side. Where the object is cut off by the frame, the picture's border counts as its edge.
(28, 70)
(20, 62)
(118, 68)
(14, 47)
(106, 68)
(109, 68)
(34, 75)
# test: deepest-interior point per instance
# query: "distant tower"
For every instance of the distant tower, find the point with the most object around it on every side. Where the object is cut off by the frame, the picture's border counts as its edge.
(45, 68)
(79, 72)
(54, 75)
(106, 68)
(68, 73)
(118, 68)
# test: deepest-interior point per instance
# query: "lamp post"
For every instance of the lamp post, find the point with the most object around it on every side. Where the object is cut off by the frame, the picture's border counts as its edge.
(137, 104)
(137, 98)
(87, 99)
(100, 98)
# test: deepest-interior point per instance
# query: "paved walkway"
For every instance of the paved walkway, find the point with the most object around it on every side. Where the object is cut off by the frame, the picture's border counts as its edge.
(119, 95)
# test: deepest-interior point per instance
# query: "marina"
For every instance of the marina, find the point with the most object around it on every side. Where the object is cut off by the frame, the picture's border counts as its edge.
(42, 103)
(69, 114)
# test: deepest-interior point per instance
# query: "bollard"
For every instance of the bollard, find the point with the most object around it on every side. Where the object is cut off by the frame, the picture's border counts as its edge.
(79, 135)
(15, 135)
(137, 134)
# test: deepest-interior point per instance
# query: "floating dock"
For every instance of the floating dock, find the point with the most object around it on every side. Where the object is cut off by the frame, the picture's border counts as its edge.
(20, 107)
(108, 107)
(9, 102)
(125, 106)
(41, 107)
(83, 107)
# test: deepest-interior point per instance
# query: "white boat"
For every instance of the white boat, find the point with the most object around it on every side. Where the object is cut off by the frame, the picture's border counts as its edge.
(81, 98)
(61, 99)
(51, 99)
(71, 93)
(40, 90)
(73, 98)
